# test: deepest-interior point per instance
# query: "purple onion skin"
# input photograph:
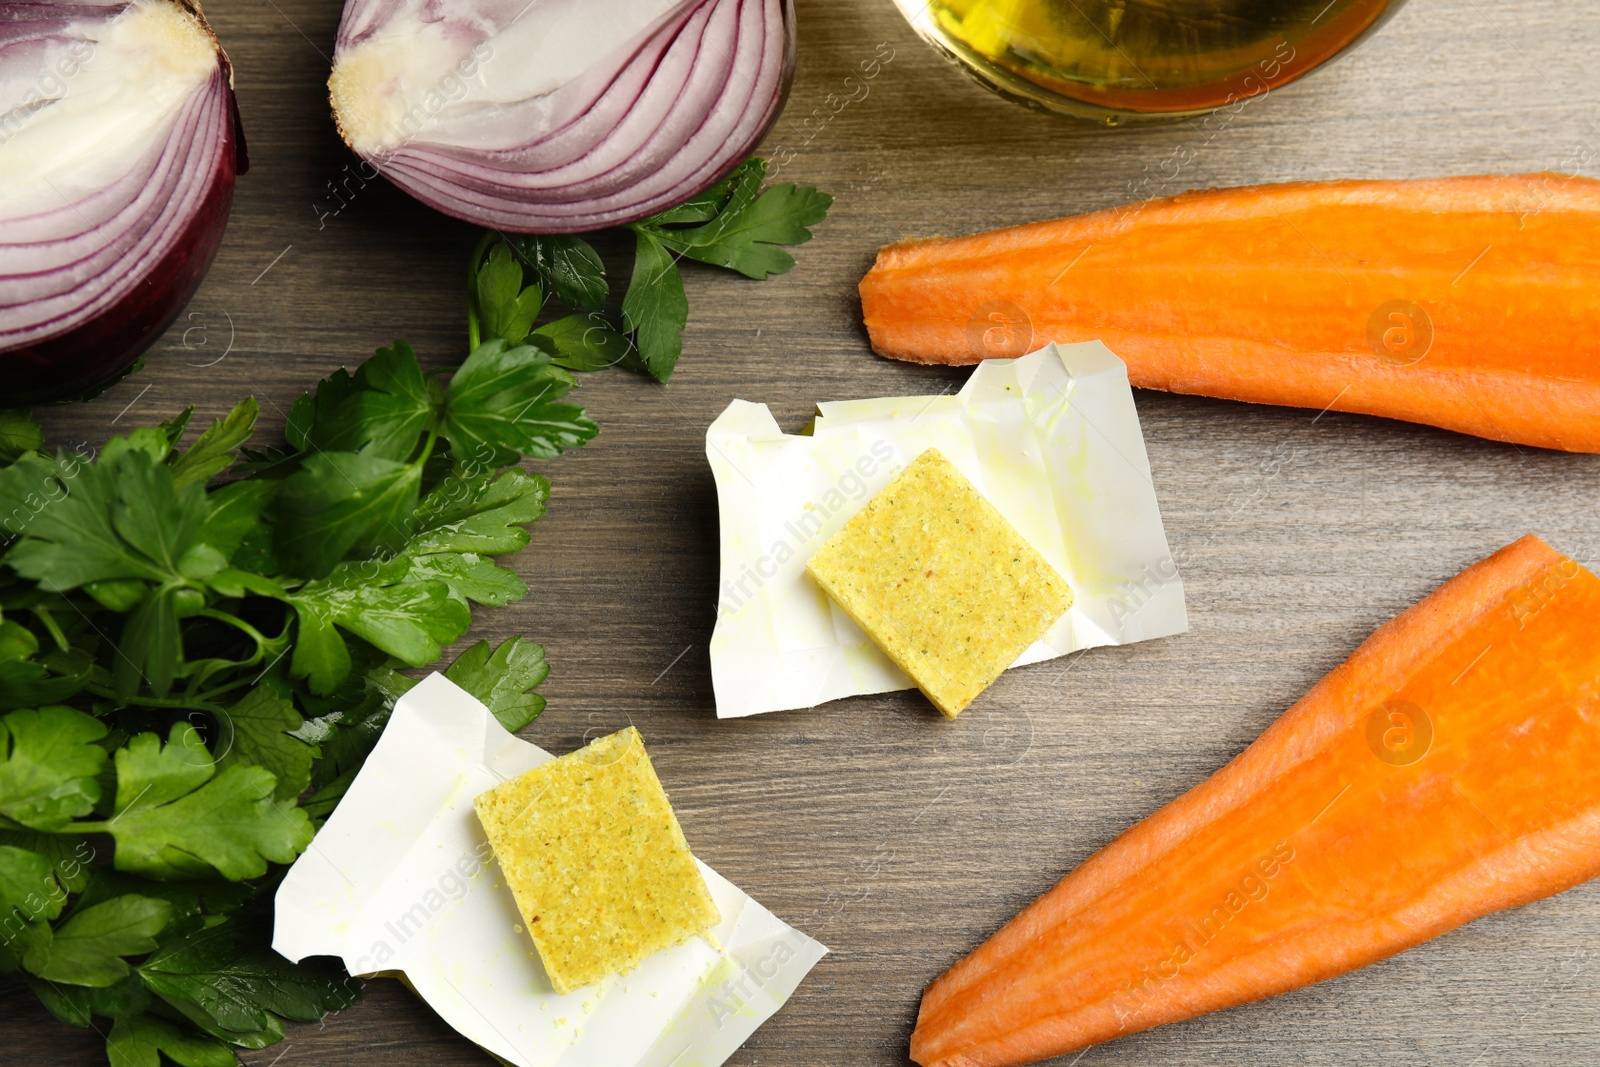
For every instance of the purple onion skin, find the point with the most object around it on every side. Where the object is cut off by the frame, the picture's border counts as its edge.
(785, 83)
(89, 357)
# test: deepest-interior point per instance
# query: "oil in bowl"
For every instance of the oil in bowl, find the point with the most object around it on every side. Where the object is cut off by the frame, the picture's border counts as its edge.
(1117, 61)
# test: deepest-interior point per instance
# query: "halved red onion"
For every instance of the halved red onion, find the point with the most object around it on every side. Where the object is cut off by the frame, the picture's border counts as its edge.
(118, 148)
(559, 116)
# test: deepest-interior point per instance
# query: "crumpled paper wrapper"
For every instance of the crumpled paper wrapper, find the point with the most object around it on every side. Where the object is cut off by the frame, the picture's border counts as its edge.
(1051, 439)
(401, 881)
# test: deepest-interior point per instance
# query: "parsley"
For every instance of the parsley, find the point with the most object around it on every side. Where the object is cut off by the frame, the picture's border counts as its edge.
(503, 679)
(734, 224)
(88, 948)
(19, 435)
(140, 1041)
(201, 643)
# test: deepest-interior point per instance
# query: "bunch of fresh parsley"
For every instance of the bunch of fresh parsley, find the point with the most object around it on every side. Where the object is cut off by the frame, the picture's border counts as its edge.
(198, 647)
(734, 224)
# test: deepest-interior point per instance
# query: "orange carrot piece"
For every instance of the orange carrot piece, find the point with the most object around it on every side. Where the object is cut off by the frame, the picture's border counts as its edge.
(1443, 772)
(1467, 303)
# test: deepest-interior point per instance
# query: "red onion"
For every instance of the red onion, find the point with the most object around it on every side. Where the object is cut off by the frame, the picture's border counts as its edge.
(559, 116)
(119, 144)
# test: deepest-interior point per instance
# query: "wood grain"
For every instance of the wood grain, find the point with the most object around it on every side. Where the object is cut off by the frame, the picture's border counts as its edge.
(898, 839)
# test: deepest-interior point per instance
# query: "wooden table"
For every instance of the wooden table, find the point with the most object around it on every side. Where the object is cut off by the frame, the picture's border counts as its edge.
(898, 839)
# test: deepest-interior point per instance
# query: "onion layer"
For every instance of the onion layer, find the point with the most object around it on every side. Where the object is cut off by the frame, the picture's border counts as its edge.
(119, 145)
(559, 116)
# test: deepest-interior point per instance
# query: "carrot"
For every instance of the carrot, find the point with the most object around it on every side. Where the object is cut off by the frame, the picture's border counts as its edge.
(1443, 772)
(1467, 303)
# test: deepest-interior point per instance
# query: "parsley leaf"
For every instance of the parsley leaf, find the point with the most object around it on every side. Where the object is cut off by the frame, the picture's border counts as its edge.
(150, 648)
(27, 681)
(479, 512)
(568, 266)
(350, 727)
(212, 451)
(321, 656)
(88, 948)
(195, 904)
(231, 974)
(67, 855)
(176, 816)
(19, 435)
(28, 885)
(585, 342)
(259, 729)
(505, 310)
(745, 233)
(315, 420)
(703, 206)
(69, 534)
(734, 225)
(50, 768)
(235, 511)
(469, 576)
(503, 402)
(503, 679)
(77, 1005)
(499, 283)
(394, 406)
(381, 411)
(339, 501)
(141, 1041)
(409, 620)
(158, 519)
(655, 309)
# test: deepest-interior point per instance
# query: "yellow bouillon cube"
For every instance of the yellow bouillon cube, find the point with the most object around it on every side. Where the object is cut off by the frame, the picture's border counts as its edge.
(941, 581)
(596, 860)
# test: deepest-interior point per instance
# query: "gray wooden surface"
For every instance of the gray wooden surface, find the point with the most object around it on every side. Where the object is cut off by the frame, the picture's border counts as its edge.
(898, 839)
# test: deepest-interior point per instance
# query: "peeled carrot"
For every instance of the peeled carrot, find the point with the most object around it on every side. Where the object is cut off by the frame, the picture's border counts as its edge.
(1467, 303)
(1445, 771)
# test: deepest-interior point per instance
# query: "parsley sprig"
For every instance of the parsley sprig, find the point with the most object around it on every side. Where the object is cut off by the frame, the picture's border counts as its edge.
(734, 224)
(200, 644)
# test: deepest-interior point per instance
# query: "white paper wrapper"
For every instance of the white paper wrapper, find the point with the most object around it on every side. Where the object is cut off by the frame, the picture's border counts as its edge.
(401, 880)
(1051, 439)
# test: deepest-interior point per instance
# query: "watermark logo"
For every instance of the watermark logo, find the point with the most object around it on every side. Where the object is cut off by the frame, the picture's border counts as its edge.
(1154, 180)
(1253, 887)
(16, 924)
(447, 889)
(851, 486)
(1399, 733)
(1400, 333)
(601, 726)
(1135, 593)
(999, 330)
(50, 489)
(812, 125)
(51, 88)
(343, 190)
(197, 339)
(732, 997)
(451, 88)
(1537, 594)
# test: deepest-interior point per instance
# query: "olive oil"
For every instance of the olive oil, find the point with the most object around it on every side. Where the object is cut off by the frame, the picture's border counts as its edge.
(1121, 60)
